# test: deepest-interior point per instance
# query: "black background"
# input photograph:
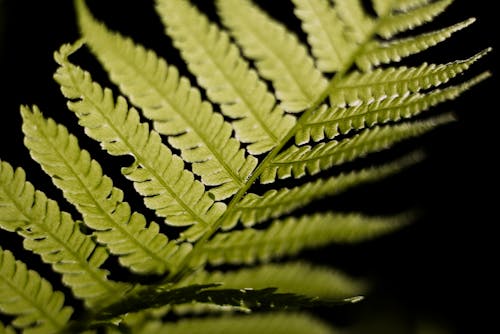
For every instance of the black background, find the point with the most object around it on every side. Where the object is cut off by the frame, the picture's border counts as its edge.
(440, 269)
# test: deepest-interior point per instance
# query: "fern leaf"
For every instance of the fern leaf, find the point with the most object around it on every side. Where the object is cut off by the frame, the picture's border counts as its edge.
(272, 323)
(140, 299)
(359, 87)
(324, 283)
(336, 34)
(226, 76)
(377, 53)
(325, 33)
(141, 248)
(331, 122)
(168, 188)
(249, 299)
(176, 108)
(291, 235)
(30, 298)
(255, 208)
(278, 54)
(411, 18)
(298, 159)
(55, 237)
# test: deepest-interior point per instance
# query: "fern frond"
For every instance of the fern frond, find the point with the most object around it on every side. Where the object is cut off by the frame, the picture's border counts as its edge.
(249, 299)
(331, 122)
(408, 17)
(297, 161)
(322, 282)
(376, 53)
(55, 237)
(359, 87)
(342, 33)
(325, 33)
(167, 186)
(30, 298)
(272, 323)
(278, 54)
(226, 76)
(263, 106)
(143, 249)
(291, 235)
(176, 108)
(254, 208)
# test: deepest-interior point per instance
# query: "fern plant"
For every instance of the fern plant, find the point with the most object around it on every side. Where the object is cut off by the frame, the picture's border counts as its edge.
(225, 156)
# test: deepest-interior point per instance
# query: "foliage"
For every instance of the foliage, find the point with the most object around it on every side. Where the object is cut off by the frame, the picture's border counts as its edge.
(224, 163)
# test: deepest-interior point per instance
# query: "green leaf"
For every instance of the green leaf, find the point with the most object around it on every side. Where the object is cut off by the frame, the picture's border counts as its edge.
(331, 122)
(176, 108)
(30, 298)
(385, 52)
(358, 87)
(200, 167)
(253, 208)
(322, 282)
(250, 299)
(142, 248)
(167, 187)
(289, 236)
(55, 237)
(297, 161)
(278, 54)
(226, 76)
